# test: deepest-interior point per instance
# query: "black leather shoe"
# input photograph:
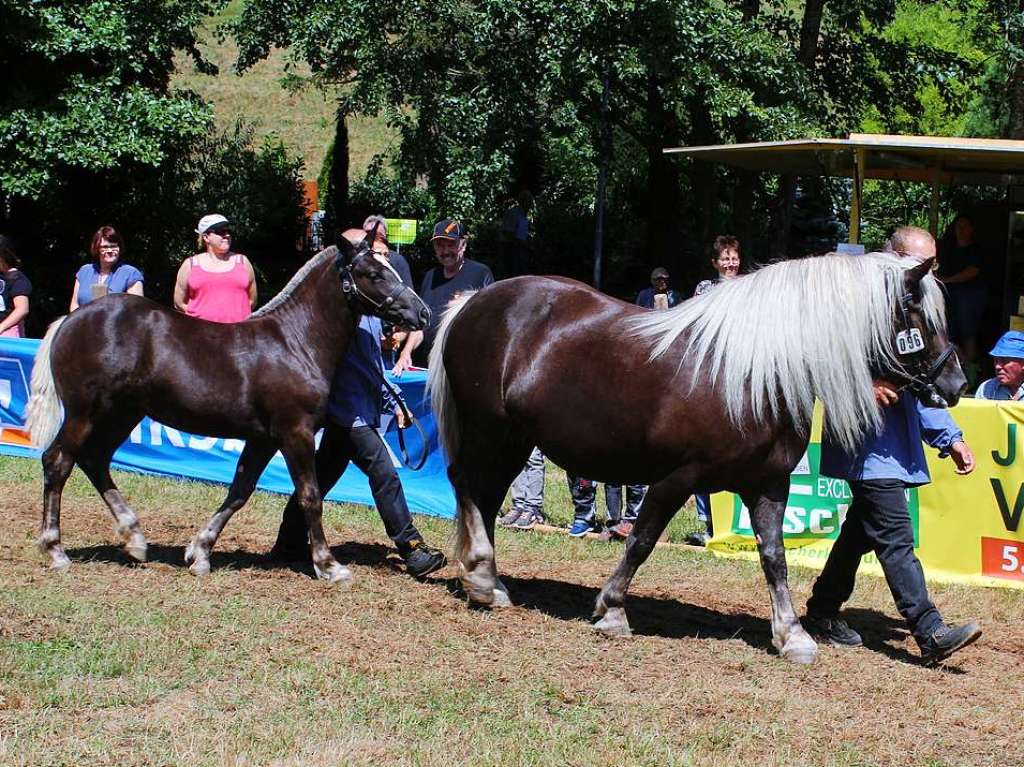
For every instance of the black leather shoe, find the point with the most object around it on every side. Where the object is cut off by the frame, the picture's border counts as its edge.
(947, 640)
(421, 559)
(833, 630)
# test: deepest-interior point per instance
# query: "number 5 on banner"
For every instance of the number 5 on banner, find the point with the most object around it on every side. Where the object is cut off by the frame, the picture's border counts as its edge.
(1002, 559)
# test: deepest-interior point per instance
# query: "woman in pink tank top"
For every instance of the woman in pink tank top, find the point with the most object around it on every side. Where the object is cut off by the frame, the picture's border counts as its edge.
(216, 285)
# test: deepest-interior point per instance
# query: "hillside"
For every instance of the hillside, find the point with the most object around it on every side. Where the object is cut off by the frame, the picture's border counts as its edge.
(303, 119)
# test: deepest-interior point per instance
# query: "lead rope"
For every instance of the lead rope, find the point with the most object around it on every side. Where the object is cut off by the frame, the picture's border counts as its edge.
(401, 430)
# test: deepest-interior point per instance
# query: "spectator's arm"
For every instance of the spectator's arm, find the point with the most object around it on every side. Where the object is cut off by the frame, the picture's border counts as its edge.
(404, 361)
(19, 311)
(135, 288)
(964, 275)
(74, 298)
(252, 283)
(181, 285)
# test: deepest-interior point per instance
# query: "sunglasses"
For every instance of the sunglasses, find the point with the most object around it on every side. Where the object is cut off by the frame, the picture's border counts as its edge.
(219, 232)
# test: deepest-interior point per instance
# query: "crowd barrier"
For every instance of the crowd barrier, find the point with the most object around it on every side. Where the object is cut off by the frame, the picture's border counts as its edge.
(154, 448)
(967, 529)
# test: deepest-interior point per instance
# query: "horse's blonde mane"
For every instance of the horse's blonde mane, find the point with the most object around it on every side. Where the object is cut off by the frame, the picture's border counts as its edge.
(794, 331)
(293, 283)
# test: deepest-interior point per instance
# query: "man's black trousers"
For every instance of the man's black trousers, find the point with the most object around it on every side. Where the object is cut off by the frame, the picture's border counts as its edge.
(363, 446)
(878, 520)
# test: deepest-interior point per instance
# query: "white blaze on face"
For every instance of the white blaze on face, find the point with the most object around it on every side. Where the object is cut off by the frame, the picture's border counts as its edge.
(387, 262)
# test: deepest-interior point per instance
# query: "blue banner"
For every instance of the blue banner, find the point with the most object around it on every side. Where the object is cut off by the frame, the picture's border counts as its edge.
(154, 448)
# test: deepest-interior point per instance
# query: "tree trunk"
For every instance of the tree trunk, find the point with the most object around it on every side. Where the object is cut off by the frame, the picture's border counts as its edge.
(662, 179)
(810, 29)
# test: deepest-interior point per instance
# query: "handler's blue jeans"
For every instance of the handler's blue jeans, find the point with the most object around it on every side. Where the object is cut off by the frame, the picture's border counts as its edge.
(878, 520)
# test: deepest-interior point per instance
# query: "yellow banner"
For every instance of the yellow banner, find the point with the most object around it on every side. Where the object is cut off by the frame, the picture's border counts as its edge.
(967, 529)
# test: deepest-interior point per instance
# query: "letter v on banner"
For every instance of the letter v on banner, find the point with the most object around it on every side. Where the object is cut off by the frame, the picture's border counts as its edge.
(1010, 520)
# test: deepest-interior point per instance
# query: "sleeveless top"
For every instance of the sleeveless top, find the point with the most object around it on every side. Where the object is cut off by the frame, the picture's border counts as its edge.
(219, 296)
(122, 278)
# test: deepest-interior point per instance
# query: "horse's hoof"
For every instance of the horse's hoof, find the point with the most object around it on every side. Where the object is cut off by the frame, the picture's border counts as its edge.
(501, 598)
(338, 574)
(480, 594)
(800, 649)
(60, 563)
(614, 624)
(137, 551)
(200, 567)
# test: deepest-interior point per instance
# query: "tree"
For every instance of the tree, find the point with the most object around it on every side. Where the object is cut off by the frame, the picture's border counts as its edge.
(487, 94)
(85, 87)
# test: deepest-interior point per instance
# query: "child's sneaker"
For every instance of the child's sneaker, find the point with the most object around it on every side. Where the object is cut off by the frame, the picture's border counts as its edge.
(580, 527)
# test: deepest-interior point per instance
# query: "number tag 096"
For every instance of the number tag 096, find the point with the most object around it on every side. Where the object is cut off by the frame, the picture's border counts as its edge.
(909, 341)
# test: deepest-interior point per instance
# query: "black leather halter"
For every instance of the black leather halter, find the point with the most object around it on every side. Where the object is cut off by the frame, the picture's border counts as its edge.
(921, 374)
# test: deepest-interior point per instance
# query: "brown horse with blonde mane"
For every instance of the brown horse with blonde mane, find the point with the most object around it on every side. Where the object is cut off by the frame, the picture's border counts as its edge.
(715, 394)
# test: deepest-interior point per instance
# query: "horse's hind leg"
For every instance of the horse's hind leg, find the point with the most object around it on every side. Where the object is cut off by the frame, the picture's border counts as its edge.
(95, 463)
(659, 506)
(788, 636)
(479, 492)
(251, 463)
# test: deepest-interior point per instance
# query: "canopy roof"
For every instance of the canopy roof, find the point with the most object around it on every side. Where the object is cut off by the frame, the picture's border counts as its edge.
(933, 159)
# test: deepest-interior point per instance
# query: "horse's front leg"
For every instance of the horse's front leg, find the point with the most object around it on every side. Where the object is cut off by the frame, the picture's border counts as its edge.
(298, 450)
(251, 463)
(766, 514)
(659, 506)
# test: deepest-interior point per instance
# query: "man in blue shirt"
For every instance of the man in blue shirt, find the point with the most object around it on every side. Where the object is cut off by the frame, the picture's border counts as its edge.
(1008, 356)
(885, 466)
(357, 399)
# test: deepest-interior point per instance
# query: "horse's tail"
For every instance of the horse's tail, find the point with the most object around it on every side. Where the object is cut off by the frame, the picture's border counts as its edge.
(43, 412)
(441, 400)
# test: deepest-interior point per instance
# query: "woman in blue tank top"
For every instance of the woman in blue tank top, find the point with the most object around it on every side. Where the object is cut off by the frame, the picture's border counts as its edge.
(106, 273)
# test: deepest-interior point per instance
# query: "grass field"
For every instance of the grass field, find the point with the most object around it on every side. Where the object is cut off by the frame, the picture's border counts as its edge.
(110, 663)
(303, 119)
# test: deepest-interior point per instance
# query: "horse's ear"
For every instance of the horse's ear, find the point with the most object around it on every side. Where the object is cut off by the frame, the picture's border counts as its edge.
(346, 251)
(913, 276)
(371, 234)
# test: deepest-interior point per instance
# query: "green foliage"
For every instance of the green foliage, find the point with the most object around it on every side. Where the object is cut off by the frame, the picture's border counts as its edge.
(85, 87)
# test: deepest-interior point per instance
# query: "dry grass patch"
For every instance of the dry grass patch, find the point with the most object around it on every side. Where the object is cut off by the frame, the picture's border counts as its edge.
(111, 663)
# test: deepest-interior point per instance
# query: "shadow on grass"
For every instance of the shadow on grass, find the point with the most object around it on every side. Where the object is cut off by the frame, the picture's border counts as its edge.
(352, 553)
(648, 616)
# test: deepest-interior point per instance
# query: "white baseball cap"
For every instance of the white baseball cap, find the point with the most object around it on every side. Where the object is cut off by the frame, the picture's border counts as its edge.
(209, 221)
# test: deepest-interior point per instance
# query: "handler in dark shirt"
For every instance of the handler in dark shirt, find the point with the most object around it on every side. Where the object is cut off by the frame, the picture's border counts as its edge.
(456, 274)
(358, 397)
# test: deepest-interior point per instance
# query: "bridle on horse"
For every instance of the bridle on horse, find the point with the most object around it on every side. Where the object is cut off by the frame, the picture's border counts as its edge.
(920, 375)
(350, 288)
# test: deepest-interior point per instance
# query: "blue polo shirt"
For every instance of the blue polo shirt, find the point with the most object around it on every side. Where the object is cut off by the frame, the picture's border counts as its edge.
(992, 389)
(896, 451)
(358, 396)
(122, 278)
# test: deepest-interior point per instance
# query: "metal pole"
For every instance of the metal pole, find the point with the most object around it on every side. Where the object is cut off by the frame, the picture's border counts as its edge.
(602, 182)
(858, 181)
(933, 208)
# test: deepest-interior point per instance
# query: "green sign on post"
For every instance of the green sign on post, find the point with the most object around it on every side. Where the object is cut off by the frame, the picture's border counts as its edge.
(401, 231)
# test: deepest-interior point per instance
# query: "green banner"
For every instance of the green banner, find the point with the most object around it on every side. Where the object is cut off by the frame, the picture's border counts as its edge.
(401, 231)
